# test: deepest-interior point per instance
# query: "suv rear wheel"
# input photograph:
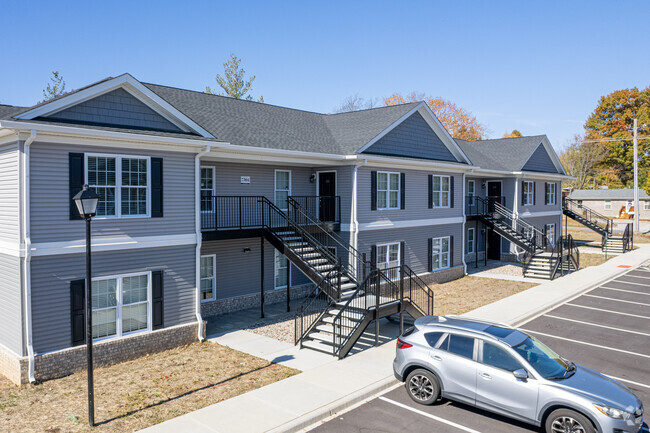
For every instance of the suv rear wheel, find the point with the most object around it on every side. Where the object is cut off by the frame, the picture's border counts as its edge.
(567, 420)
(422, 386)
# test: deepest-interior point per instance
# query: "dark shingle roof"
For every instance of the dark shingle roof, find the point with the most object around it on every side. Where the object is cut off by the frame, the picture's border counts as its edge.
(7, 111)
(607, 194)
(508, 154)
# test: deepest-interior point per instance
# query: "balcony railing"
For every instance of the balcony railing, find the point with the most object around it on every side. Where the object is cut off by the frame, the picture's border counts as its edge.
(325, 208)
(247, 212)
(476, 207)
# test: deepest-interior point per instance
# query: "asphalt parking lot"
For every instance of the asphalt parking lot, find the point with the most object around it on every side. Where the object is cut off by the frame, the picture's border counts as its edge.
(606, 329)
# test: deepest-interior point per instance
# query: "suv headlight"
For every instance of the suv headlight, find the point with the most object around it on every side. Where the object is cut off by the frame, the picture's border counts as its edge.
(613, 412)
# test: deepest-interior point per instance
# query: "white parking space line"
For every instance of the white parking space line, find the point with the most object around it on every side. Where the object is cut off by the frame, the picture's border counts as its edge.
(618, 300)
(608, 311)
(630, 282)
(595, 324)
(636, 276)
(428, 415)
(587, 344)
(628, 381)
(626, 291)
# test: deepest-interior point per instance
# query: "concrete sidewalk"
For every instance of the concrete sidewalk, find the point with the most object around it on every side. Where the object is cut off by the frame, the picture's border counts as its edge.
(327, 387)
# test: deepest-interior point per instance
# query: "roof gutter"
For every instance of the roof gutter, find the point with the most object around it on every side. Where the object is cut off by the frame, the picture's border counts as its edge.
(199, 236)
(27, 279)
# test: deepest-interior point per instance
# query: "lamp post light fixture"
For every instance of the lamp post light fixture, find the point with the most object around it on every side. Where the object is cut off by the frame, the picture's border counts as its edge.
(86, 201)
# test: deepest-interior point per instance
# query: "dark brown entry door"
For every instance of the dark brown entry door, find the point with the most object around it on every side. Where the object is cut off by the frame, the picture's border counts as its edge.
(493, 194)
(494, 245)
(326, 196)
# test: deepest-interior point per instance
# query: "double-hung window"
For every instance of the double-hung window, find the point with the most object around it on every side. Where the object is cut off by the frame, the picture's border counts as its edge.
(608, 204)
(122, 183)
(280, 270)
(646, 205)
(441, 188)
(471, 191)
(121, 305)
(550, 233)
(282, 189)
(388, 190)
(388, 259)
(471, 240)
(529, 193)
(550, 193)
(207, 189)
(440, 253)
(208, 277)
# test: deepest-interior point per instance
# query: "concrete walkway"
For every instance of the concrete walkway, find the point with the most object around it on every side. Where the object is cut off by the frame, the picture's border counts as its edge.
(326, 387)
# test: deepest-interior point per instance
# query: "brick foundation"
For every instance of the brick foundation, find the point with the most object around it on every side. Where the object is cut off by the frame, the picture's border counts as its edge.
(252, 301)
(65, 362)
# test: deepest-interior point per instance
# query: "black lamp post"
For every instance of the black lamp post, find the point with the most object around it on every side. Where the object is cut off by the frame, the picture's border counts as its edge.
(86, 201)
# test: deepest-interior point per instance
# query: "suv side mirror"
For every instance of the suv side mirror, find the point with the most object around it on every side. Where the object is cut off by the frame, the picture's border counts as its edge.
(520, 374)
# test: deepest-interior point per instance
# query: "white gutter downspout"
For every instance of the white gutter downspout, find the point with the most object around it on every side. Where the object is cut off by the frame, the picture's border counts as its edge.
(27, 280)
(464, 229)
(354, 222)
(515, 212)
(199, 236)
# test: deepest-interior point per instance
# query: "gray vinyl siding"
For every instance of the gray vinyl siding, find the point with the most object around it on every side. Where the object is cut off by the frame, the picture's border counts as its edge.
(416, 241)
(599, 206)
(417, 198)
(118, 108)
(238, 273)
(540, 161)
(540, 191)
(262, 179)
(11, 306)
(540, 222)
(50, 214)
(9, 193)
(412, 138)
(343, 188)
(51, 276)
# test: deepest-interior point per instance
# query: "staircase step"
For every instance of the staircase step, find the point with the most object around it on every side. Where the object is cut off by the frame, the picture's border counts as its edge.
(317, 345)
(353, 315)
(316, 261)
(322, 268)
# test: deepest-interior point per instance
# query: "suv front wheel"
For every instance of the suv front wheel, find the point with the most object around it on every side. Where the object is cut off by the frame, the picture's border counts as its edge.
(422, 386)
(567, 420)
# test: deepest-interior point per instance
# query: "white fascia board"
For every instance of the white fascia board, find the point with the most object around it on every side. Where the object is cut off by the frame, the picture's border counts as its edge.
(554, 157)
(70, 132)
(129, 84)
(406, 163)
(541, 175)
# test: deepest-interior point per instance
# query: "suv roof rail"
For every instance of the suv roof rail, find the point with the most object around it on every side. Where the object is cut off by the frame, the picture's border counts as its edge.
(487, 322)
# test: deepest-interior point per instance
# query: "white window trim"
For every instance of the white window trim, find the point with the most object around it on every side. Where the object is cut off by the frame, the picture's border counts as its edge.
(388, 190)
(275, 270)
(530, 198)
(275, 187)
(118, 183)
(448, 191)
(473, 240)
(550, 196)
(607, 205)
(214, 277)
(646, 205)
(473, 194)
(551, 241)
(440, 254)
(388, 247)
(211, 168)
(119, 305)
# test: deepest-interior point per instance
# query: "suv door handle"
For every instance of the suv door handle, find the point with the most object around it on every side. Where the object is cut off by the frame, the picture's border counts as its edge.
(485, 376)
(436, 357)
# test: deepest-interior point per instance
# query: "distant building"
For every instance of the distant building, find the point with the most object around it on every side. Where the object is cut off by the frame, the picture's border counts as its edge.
(613, 202)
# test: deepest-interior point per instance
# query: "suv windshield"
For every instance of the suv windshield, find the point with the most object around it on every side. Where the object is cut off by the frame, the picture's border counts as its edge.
(546, 362)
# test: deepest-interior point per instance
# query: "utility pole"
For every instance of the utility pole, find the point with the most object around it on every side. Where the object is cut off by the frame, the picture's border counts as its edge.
(636, 180)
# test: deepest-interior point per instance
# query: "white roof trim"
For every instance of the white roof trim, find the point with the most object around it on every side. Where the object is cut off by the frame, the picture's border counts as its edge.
(433, 123)
(551, 153)
(129, 84)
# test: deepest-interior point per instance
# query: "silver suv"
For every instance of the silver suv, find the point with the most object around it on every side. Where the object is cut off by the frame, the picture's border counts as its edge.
(503, 370)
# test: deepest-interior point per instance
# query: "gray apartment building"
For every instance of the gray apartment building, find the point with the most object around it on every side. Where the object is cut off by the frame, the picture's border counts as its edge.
(210, 204)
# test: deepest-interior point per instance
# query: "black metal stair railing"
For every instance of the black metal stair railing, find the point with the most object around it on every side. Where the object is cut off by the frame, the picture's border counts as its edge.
(416, 292)
(311, 311)
(588, 217)
(324, 208)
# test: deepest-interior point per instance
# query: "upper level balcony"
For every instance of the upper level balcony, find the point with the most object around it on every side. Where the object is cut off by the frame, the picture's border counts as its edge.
(250, 213)
(482, 206)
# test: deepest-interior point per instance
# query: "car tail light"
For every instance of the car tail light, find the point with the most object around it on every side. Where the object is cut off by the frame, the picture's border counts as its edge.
(402, 345)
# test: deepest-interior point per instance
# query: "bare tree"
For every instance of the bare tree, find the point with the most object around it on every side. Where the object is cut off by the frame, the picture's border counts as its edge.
(581, 160)
(355, 103)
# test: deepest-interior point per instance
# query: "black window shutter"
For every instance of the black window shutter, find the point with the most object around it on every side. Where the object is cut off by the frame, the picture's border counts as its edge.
(156, 187)
(77, 312)
(373, 256)
(430, 255)
(402, 253)
(402, 189)
(430, 191)
(76, 180)
(534, 194)
(373, 190)
(451, 191)
(451, 251)
(546, 186)
(556, 188)
(523, 195)
(157, 297)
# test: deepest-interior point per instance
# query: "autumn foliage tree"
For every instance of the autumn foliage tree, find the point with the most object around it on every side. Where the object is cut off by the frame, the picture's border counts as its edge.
(613, 118)
(459, 122)
(580, 160)
(513, 134)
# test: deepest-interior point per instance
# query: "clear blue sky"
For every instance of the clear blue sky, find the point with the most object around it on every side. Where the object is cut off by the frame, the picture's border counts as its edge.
(537, 66)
